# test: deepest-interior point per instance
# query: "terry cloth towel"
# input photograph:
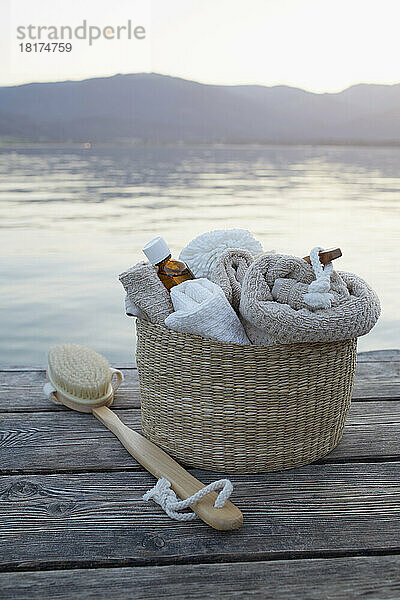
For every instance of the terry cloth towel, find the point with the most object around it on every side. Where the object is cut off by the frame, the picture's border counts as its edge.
(269, 322)
(294, 293)
(131, 310)
(228, 272)
(201, 308)
(202, 252)
(147, 293)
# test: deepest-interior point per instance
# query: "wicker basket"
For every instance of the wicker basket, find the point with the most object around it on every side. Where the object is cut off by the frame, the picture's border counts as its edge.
(242, 409)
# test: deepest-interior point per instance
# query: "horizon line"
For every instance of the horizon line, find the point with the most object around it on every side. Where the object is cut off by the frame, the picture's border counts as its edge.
(167, 75)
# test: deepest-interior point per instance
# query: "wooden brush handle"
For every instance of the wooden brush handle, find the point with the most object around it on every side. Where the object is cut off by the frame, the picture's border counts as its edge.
(326, 256)
(159, 464)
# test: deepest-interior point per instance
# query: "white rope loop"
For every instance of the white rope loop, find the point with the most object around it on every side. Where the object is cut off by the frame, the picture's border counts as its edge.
(318, 295)
(169, 502)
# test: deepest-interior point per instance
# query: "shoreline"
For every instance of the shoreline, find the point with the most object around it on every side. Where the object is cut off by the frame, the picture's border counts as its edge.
(15, 145)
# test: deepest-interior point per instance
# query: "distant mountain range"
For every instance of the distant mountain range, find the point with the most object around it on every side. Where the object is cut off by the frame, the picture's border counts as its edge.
(158, 108)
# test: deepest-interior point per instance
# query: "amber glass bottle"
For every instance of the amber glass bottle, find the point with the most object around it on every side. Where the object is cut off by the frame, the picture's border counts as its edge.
(170, 271)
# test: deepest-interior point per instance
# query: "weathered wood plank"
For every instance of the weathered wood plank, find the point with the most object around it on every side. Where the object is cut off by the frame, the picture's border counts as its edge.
(22, 390)
(68, 520)
(377, 379)
(388, 355)
(374, 390)
(375, 578)
(385, 371)
(380, 355)
(374, 413)
(67, 441)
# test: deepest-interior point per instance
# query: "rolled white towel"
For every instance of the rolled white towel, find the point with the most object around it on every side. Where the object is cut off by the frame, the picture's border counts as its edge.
(201, 308)
(202, 253)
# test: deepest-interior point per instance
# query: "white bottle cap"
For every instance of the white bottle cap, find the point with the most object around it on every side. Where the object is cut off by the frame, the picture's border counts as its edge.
(156, 250)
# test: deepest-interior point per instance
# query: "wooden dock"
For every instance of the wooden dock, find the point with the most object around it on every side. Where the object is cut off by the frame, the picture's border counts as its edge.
(73, 524)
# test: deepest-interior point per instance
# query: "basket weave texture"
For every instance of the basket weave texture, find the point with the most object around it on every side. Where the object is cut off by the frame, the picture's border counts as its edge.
(242, 409)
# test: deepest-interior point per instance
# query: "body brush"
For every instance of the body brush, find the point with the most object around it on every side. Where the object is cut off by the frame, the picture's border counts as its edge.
(80, 378)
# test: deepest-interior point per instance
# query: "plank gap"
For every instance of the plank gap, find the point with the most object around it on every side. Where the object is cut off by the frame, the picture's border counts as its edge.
(201, 560)
(58, 408)
(136, 468)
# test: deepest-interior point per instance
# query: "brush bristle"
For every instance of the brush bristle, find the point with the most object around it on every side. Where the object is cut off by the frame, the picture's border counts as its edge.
(79, 371)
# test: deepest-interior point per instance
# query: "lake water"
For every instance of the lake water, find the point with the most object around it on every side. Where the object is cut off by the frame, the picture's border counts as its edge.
(72, 219)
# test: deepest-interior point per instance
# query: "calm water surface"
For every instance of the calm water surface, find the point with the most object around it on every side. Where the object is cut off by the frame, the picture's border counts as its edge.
(72, 219)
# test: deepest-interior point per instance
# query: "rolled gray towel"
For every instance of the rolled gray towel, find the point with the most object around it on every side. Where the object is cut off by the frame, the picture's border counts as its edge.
(292, 292)
(269, 322)
(146, 293)
(228, 272)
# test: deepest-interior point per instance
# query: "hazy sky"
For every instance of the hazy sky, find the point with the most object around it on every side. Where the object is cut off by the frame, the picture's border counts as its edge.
(319, 45)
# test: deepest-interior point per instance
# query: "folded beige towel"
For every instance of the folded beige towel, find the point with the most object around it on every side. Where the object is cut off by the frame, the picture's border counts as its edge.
(228, 272)
(147, 293)
(354, 310)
